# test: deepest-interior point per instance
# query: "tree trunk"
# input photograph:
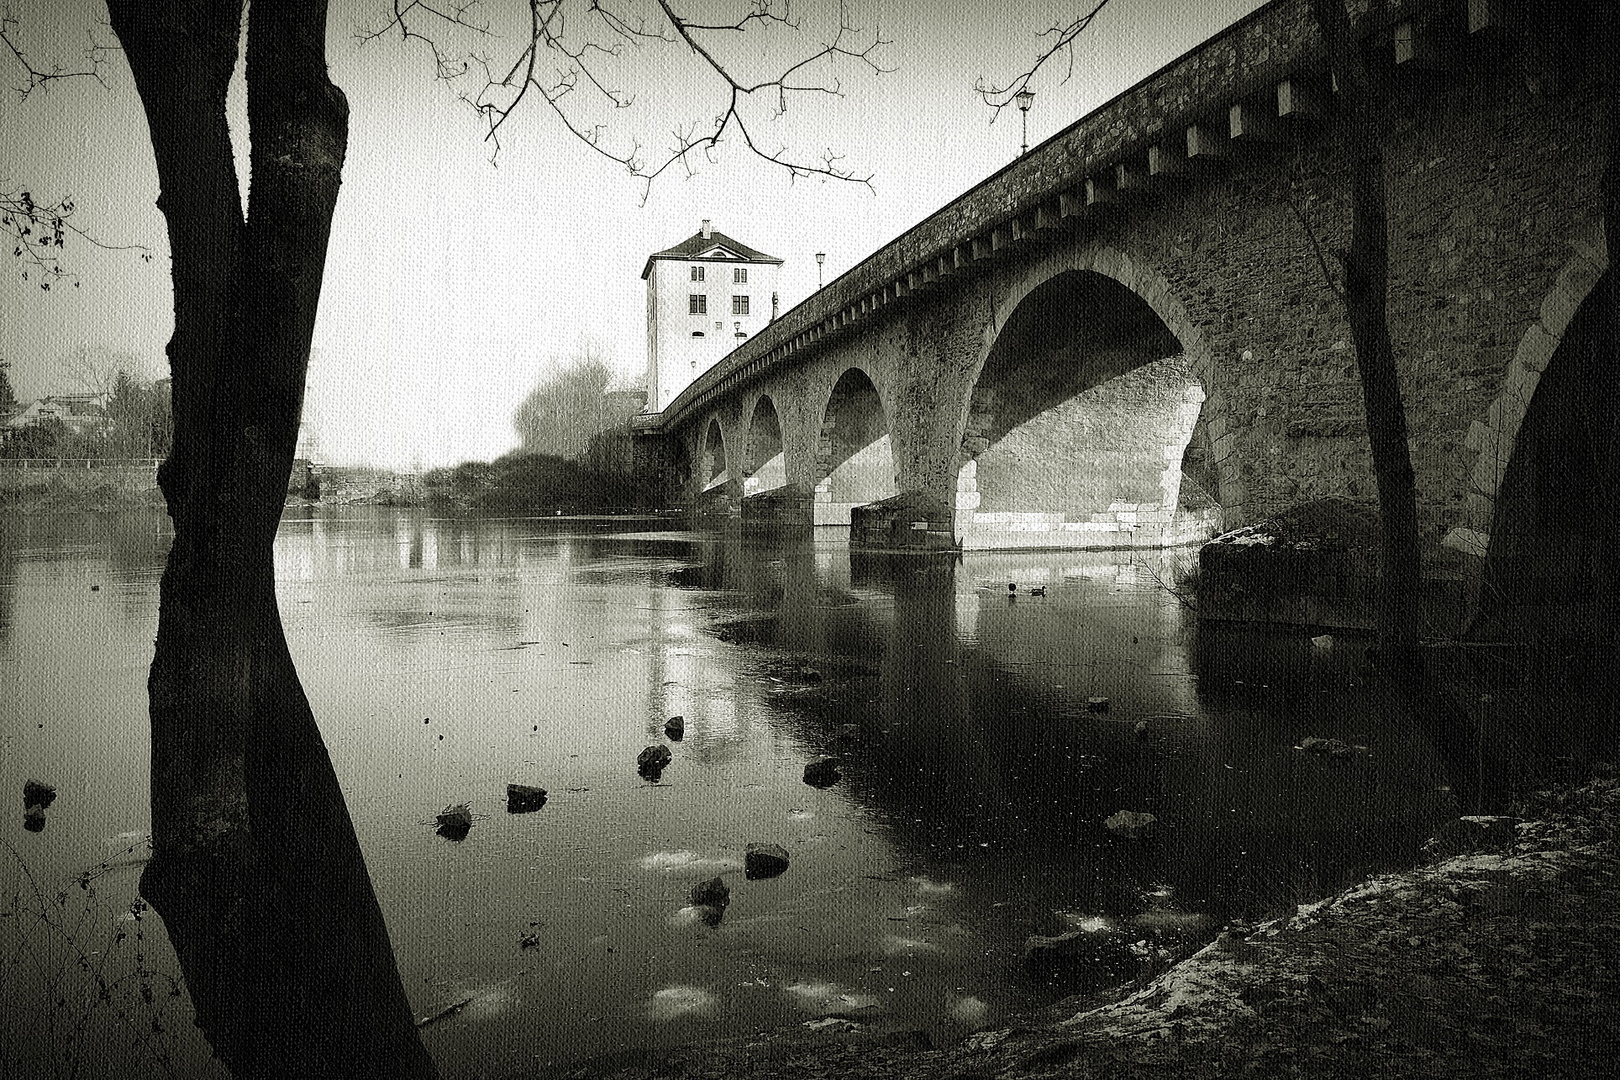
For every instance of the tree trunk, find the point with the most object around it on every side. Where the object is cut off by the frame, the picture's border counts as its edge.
(1366, 286)
(256, 869)
(1606, 571)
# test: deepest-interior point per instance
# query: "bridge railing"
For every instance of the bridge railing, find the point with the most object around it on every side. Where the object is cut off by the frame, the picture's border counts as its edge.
(1050, 186)
(57, 464)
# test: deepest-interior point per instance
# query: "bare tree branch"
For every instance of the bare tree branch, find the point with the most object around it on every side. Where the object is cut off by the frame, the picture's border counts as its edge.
(36, 77)
(999, 96)
(1288, 194)
(38, 232)
(566, 54)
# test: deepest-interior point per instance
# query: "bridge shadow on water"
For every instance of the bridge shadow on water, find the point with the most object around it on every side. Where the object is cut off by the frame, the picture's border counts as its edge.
(993, 731)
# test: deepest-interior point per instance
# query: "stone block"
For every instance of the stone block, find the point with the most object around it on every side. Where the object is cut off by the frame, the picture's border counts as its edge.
(1479, 508)
(1479, 437)
(1488, 470)
(1536, 348)
(1520, 385)
(1557, 309)
(968, 500)
(1506, 414)
(1578, 277)
(1592, 245)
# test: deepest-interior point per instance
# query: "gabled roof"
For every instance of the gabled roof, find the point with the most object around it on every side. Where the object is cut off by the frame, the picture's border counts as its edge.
(717, 246)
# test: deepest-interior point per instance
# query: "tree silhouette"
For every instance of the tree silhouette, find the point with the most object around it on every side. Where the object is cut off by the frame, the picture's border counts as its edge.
(256, 869)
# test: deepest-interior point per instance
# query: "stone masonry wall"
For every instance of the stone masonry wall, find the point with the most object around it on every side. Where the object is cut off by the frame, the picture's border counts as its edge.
(1493, 191)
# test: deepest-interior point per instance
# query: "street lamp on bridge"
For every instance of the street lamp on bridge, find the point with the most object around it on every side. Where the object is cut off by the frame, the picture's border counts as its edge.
(1025, 98)
(821, 257)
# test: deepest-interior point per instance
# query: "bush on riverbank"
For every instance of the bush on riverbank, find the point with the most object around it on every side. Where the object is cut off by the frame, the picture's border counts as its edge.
(531, 483)
(96, 490)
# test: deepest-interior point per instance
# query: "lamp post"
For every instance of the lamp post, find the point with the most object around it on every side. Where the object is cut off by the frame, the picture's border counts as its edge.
(1025, 98)
(821, 257)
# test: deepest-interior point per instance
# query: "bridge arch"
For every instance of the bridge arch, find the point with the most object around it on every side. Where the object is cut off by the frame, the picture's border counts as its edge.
(1548, 455)
(1088, 404)
(711, 465)
(764, 458)
(854, 461)
(1495, 437)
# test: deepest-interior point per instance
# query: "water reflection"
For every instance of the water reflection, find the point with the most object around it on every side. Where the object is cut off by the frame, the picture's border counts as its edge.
(449, 657)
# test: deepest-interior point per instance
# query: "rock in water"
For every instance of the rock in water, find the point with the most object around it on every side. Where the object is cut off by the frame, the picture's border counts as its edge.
(34, 819)
(675, 727)
(1337, 748)
(764, 861)
(651, 761)
(1082, 959)
(822, 773)
(454, 821)
(38, 793)
(521, 798)
(1131, 824)
(1096, 704)
(711, 893)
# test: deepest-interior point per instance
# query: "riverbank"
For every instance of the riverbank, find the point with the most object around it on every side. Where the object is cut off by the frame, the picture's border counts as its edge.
(1499, 957)
(94, 490)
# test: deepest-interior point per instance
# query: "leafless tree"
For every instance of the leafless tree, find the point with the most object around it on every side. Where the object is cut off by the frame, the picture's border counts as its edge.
(568, 54)
(567, 407)
(256, 869)
(1365, 291)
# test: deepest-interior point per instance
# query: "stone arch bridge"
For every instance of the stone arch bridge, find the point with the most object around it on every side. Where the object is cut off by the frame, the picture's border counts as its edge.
(1132, 334)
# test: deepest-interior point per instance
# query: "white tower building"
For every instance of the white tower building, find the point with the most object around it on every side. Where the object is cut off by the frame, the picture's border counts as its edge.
(705, 296)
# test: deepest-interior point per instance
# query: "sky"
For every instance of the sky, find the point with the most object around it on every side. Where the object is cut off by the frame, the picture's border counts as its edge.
(453, 282)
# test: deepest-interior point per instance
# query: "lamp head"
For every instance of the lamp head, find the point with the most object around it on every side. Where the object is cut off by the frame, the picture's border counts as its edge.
(1025, 98)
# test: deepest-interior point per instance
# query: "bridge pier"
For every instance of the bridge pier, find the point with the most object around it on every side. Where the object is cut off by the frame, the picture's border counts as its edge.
(910, 521)
(785, 507)
(1067, 360)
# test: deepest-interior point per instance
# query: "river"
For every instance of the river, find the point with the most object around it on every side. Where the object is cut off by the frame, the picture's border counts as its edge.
(448, 656)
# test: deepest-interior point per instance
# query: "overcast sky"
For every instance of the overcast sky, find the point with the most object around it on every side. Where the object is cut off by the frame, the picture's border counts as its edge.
(451, 282)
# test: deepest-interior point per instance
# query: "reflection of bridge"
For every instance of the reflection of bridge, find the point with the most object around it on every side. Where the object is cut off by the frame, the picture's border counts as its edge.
(1136, 309)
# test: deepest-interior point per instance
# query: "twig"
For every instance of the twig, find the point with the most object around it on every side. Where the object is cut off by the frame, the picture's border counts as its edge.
(999, 97)
(579, 81)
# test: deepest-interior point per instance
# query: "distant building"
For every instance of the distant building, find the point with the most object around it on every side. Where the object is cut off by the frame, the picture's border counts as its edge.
(705, 296)
(78, 413)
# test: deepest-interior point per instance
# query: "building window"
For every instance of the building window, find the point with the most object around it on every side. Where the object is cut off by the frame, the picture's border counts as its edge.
(697, 304)
(697, 273)
(739, 276)
(739, 305)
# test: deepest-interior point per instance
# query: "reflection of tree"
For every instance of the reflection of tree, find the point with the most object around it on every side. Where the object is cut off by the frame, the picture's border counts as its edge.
(8, 584)
(968, 743)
